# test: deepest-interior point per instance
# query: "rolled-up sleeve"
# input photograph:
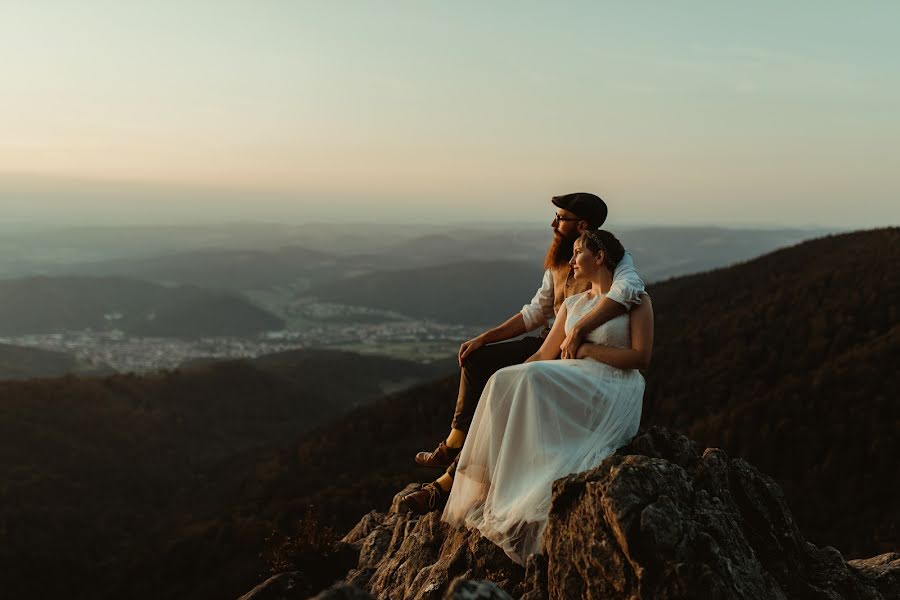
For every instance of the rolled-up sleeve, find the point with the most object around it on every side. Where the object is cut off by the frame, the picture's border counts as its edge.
(627, 285)
(539, 311)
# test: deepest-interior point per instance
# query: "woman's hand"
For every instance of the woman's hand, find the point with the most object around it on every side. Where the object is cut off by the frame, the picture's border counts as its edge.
(571, 346)
(584, 350)
(636, 357)
(469, 347)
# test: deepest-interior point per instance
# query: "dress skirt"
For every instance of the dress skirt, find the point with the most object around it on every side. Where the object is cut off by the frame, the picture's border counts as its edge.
(535, 423)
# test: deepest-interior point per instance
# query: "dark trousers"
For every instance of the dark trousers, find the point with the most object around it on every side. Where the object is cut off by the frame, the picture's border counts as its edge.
(478, 368)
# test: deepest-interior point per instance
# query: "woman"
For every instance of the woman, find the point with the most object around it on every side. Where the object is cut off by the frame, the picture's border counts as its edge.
(547, 418)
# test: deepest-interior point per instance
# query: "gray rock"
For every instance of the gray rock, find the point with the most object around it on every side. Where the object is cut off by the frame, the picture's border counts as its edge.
(402, 555)
(535, 585)
(882, 570)
(661, 520)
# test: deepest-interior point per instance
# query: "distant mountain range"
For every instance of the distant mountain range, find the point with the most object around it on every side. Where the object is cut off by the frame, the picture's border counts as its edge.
(453, 275)
(455, 246)
(486, 292)
(258, 257)
(475, 292)
(221, 268)
(664, 252)
(50, 305)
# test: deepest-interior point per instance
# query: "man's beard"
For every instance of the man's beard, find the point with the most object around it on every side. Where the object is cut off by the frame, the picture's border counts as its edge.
(560, 251)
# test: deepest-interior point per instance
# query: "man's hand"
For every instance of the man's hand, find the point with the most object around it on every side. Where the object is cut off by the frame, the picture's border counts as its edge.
(572, 343)
(469, 347)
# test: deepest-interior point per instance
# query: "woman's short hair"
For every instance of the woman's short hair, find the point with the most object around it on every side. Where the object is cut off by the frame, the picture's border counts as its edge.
(596, 240)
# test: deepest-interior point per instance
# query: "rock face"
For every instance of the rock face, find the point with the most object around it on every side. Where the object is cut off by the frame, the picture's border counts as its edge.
(409, 557)
(659, 519)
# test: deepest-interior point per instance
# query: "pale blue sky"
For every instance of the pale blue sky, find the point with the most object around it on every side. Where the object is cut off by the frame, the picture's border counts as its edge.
(689, 112)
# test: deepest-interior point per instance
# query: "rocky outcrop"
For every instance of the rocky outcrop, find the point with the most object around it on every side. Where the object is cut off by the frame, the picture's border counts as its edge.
(661, 519)
(403, 556)
(658, 519)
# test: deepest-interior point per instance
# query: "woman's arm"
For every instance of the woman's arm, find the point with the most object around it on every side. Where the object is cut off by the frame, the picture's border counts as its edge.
(636, 357)
(549, 350)
(626, 292)
(606, 310)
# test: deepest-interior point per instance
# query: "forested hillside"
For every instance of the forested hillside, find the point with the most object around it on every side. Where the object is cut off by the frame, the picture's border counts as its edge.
(90, 468)
(790, 361)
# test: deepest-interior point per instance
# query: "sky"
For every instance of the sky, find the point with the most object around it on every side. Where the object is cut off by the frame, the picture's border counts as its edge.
(719, 112)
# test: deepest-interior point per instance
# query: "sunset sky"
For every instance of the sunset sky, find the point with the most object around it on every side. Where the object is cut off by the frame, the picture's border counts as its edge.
(750, 113)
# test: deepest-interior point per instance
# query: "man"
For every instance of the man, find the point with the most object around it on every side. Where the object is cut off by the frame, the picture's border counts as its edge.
(483, 355)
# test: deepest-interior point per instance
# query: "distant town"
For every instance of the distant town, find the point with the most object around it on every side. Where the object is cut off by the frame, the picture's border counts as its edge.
(418, 340)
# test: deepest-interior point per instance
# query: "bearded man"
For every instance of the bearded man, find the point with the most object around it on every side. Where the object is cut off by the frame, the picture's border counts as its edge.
(483, 355)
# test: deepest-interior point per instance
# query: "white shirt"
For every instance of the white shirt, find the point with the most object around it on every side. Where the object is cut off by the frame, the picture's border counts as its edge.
(626, 289)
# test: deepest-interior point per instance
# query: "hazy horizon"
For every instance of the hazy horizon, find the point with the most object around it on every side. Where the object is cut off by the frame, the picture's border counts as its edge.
(58, 201)
(768, 115)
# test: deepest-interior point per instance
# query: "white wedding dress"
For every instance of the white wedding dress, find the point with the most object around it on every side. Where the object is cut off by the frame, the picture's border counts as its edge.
(535, 423)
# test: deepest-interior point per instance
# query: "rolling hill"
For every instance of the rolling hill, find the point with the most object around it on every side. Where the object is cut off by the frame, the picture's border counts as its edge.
(220, 268)
(664, 252)
(484, 291)
(55, 304)
(471, 293)
(247, 256)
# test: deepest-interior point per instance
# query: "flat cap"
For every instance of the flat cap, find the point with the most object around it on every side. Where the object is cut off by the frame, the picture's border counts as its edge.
(584, 205)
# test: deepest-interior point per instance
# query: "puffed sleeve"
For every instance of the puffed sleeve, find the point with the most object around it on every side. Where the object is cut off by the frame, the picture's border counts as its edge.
(539, 311)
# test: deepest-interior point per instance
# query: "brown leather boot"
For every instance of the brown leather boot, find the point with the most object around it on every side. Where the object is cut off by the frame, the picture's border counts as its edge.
(440, 457)
(429, 497)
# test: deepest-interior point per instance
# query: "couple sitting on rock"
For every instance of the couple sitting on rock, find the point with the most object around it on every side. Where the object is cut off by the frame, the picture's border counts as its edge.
(518, 427)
